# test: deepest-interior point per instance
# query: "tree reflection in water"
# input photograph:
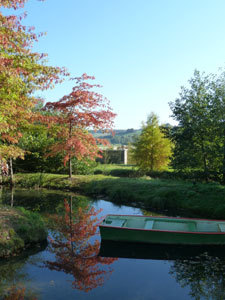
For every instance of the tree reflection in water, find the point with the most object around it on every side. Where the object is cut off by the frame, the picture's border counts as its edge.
(205, 276)
(18, 293)
(14, 277)
(76, 253)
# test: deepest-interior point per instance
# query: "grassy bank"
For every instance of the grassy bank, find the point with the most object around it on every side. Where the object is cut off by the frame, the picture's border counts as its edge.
(116, 170)
(203, 200)
(200, 199)
(19, 229)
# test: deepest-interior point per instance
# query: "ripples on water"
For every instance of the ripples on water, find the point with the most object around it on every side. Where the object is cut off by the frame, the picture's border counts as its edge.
(75, 265)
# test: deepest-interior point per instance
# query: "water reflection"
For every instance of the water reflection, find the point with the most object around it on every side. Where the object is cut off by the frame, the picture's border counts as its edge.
(75, 250)
(204, 276)
(19, 293)
(13, 274)
(158, 251)
(43, 201)
(201, 269)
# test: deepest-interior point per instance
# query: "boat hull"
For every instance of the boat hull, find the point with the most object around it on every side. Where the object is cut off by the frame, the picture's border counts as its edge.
(137, 235)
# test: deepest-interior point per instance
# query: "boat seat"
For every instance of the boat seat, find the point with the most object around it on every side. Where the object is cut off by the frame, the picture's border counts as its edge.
(149, 224)
(191, 226)
(135, 223)
(222, 227)
(116, 222)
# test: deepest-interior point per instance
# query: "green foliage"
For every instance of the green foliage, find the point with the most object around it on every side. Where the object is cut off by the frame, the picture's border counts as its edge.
(83, 167)
(21, 229)
(38, 180)
(184, 198)
(30, 227)
(116, 170)
(189, 198)
(199, 137)
(36, 142)
(152, 150)
(35, 180)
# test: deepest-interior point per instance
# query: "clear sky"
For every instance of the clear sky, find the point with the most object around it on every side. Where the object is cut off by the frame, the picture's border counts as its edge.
(141, 51)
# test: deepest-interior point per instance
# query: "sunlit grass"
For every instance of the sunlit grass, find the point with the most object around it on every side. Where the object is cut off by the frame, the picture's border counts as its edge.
(201, 199)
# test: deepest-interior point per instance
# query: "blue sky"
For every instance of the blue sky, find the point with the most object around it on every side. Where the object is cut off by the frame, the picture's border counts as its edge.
(141, 51)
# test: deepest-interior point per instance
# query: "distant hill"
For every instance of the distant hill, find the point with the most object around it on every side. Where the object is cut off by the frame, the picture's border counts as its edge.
(121, 136)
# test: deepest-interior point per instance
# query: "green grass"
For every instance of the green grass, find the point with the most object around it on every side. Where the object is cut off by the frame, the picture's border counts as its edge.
(116, 170)
(19, 229)
(206, 200)
(200, 199)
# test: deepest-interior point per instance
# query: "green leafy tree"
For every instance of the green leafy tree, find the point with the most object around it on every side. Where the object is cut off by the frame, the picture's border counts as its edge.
(218, 116)
(199, 136)
(152, 150)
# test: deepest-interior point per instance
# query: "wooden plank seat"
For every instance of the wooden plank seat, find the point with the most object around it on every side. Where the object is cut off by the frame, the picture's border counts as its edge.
(149, 224)
(222, 227)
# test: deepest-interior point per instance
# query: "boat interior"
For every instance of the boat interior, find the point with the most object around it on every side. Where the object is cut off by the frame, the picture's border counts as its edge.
(147, 223)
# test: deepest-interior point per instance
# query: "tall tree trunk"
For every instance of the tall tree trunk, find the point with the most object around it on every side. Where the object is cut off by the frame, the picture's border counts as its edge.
(1, 173)
(11, 171)
(71, 235)
(70, 168)
(12, 197)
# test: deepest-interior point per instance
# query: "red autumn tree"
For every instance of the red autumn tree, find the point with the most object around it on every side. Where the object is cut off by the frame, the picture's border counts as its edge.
(77, 112)
(22, 72)
(76, 253)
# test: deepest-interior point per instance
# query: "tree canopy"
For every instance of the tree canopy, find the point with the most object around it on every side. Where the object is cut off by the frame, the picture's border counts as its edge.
(77, 112)
(22, 73)
(199, 137)
(152, 150)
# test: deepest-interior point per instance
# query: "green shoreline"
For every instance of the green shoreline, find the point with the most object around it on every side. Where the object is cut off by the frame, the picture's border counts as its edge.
(19, 229)
(200, 199)
(23, 228)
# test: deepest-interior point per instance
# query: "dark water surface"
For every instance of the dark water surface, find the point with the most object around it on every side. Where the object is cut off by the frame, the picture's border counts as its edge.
(75, 265)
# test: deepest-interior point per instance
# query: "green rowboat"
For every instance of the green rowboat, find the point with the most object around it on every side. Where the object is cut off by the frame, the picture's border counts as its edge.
(162, 230)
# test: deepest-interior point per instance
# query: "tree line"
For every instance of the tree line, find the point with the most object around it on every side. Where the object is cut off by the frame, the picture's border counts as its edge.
(63, 125)
(199, 137)
(58, 136)
(197, 143)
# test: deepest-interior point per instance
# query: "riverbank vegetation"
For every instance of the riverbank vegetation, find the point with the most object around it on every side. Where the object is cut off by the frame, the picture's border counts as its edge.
(19, 229)
(178, 167)
(183, 197)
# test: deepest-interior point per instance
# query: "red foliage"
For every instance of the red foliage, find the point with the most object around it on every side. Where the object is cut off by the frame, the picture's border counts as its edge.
(82, 109)
(75, 253)
(21, 73)
(17, 293)
(12, 3)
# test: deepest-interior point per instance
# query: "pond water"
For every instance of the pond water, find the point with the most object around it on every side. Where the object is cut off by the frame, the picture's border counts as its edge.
(75, 265)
